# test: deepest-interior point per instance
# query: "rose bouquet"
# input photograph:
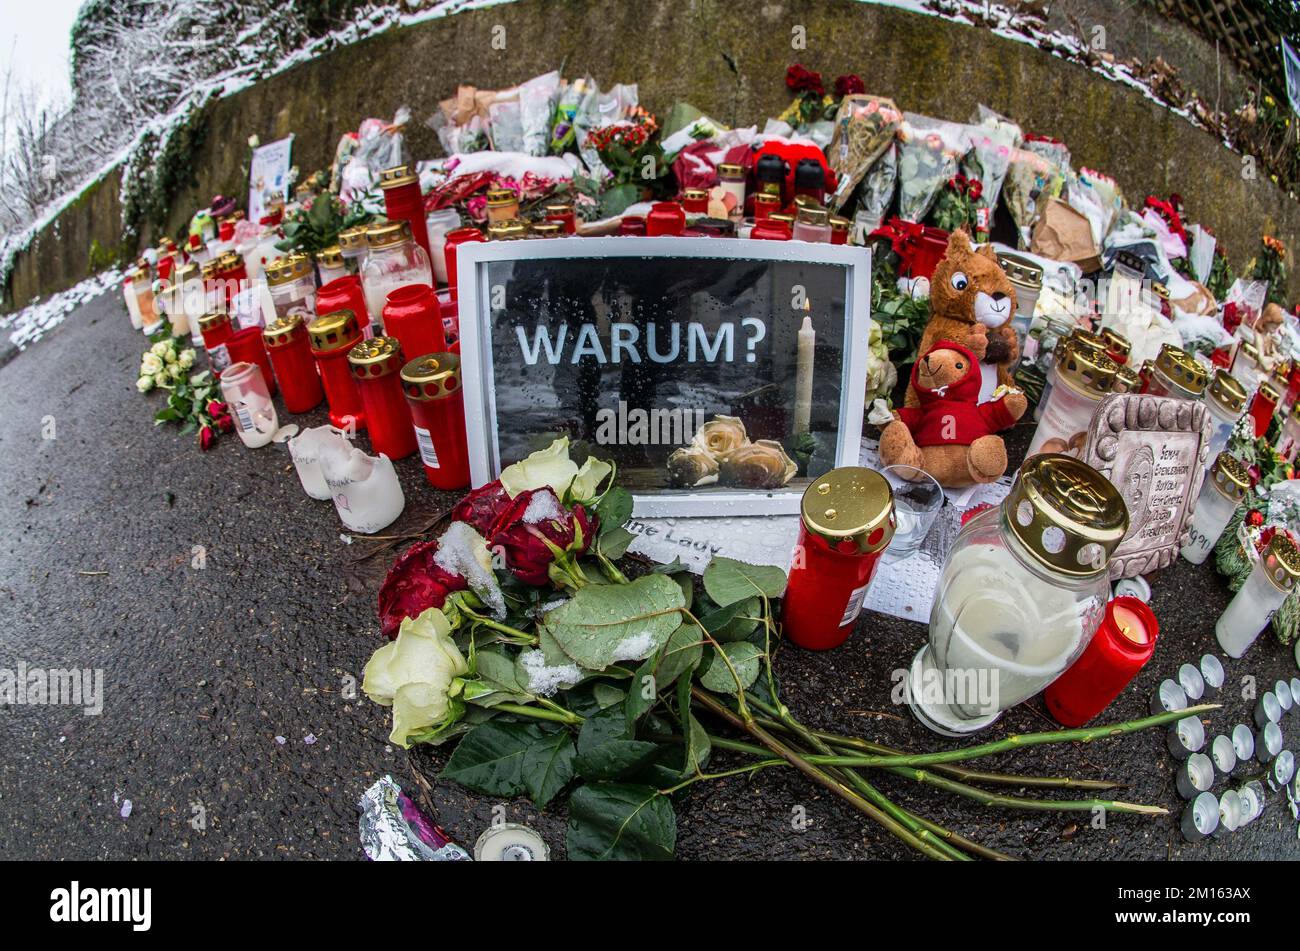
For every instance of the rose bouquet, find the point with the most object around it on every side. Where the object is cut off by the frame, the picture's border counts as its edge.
(865, 127)
(193, 399)
(721, 452)
(929, 151)
(518, 636)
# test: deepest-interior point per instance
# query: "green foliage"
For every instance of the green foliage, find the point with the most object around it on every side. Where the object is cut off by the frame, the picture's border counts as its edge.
(159, 167)
(318, 227)
(902, 318)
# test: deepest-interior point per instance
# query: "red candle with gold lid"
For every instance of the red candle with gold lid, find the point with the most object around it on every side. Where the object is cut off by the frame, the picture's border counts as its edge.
(403, 202)
(1123, 643)
(216, 331)
(456, 237)
(432, 385)
(376, 367)
(332, 336)
(414, 316)
(344, 293)
(665, 218)
(246, 346)
(289, 350)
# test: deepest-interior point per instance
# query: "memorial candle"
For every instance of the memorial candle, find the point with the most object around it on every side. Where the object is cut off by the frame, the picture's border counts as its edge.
(804, 378)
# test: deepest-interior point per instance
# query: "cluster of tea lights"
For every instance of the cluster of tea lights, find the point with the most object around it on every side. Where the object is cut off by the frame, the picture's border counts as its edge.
(1249, 757)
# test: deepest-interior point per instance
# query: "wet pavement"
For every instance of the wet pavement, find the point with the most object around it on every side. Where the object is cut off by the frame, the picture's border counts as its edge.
(232, 621)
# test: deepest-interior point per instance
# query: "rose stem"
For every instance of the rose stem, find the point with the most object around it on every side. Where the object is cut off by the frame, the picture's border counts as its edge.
(897, 829)
(556, 716)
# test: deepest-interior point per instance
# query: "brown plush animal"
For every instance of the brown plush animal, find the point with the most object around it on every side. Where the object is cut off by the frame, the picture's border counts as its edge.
(948, 434)
(971, 303)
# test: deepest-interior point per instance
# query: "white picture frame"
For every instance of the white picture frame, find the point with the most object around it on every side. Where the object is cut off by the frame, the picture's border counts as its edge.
(476, 351)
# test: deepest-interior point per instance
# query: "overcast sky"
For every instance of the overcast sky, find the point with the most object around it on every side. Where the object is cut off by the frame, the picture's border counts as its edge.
(35, 37)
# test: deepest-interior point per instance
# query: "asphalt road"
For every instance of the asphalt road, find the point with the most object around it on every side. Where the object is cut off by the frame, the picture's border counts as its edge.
(229, 721)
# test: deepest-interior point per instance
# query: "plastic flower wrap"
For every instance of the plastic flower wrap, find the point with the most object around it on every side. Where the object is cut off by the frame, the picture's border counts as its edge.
(1031, 180)
(417, 675)
(929, 151)
(865, 127)
(992, 137)
(876, 194)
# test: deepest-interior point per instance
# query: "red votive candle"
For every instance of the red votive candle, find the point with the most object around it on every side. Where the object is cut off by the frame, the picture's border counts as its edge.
(665, 218)
(1262, 407)
(344, 293)
(632, 226)
(403, 202)
(432, 384)
(215, 330)
(413, 315)
(456, 237)
(562, 212)
(332, 336)
(1123, 643)
(376, 368)
(245, 346)
(847, 521)
(289, 349)
(770, 230)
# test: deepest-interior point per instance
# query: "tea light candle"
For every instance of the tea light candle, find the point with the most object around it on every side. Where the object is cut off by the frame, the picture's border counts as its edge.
(1243, 743)
(1268, 743)
(1224, 754)
(1213, 676)
(803, 380)
(1267, 710)
(1224, 487)
(245, 390)
(1200, 818)
(1283, 770)
(1254, 604)
(1252, 802)
(1186, 737)
(1194, 776)
(1230, 812)
(1193, 684)
(1285, 699)
(1168, 697)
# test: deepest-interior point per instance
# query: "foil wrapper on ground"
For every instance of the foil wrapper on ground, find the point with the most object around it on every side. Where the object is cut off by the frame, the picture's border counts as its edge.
(393, 829)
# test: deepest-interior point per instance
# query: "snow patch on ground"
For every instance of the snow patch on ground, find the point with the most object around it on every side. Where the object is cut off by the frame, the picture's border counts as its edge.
(546, 680)
(35, 320)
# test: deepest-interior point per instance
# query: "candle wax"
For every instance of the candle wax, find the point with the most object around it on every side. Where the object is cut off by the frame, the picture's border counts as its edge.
(1129, 624)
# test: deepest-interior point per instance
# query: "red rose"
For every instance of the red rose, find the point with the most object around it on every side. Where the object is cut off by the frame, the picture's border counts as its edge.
(215, 408)
(225, 423)
(534, 522)
(849, 85)
(974, 188)
(1254, 518)
(207, 436)
(798, 79)
(414, 584)
(483, 507)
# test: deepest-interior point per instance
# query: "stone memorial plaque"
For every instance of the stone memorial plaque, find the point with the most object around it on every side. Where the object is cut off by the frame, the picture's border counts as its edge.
(1153, 449)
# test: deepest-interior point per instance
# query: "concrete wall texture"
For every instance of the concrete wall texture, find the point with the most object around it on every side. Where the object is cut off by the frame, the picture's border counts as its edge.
(726, 58)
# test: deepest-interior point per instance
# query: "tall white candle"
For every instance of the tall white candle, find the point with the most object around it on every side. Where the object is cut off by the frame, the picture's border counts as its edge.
(804, 378)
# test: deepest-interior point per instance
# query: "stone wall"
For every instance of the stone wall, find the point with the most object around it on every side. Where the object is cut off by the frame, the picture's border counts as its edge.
(726, 58)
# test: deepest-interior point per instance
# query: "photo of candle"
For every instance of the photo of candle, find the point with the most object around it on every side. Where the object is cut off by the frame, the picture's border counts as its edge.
(804, 377)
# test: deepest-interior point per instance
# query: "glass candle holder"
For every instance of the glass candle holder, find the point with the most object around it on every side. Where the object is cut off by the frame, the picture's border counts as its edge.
(376, 367)
(246, 346)
(403, 201)
(512, 229)
(216, 331)
(1020, 595)
(1224, 487)
(246, 393)
(1213, 674)
(150, 317)
(292, 283)
(1200, 818)
(1194, 776)
(1246, 367)
(1177, 373)
(366, 493)
(413, 316)
(132, 302)
(1081, 378)
(502, 205)
(330, 265)
(1225, 401)
(840, 228)
(665, 218)
(770, 229)
(455, 238)
(289, 350)
(695, 201)
(562, 212)
(433, 389)
(846, 522)
(732, 179)
(332, 336)
(1255, 603)
(306, 450)
(1124, 642)
(1289, 442)
(438, 223)
(394, 260)
(812, 224)
(1263, 406)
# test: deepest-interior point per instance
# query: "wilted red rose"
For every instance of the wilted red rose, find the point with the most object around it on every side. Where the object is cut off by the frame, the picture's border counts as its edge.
(207, 436)
(849, 85)
(414, 584)
(534, 518)
(798, 79)
(482, 507)
(215, 408)
(225, 423)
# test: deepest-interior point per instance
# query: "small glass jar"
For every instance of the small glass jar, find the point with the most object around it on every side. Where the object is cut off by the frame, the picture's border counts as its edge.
(332, 336)
(403, 201)
(249, 399)
(216, 331)
(1019, 597)
(376, 366)
(330, 264)
(438, 223)
(1225, 486)
(393, 261)
(1081, 378)
(1225, 401)
(562, 212)
(353, 246)
(846, 523)
(732, 179)
(840, 229)
(1177, 373)
(1039, 349)
(1246, 368)
(289, 350)
(1263, 406)
(502, 205)
(293, 286)
(695, 201)
(1256, 601)
(812, 224)
(766, 204)
(433, 389)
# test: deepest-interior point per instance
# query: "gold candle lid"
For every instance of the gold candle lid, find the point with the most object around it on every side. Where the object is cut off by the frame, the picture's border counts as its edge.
(1116, 342)
(501, 196)
(1226, 392)
(1281, 562)
(695, 194)
(334, 331)
(283, 330)
(1066, 514)
(1250, 350)
(767, 198)
(508, 230)
(396, 177)
(1269, 392)
(1085, 370)
(388, 234)
(433, 376)
(287, 269)
(209, 268)
(1088, 339)
(186, 272)
(1127, 380)
(1020, 270)
(730, 171)
(851, 504)
(229, 261)
(1229, 476)
(1182, 368)
(378, 356)
(546, 229)
(781, 217)
(353, 239)
(839, 224)
(557, 208)
(813, 216)
(331, 257)
(212, 321)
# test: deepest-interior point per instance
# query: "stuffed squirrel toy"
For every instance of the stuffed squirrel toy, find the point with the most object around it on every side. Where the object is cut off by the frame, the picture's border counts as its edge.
(949, 434)
(971, 303)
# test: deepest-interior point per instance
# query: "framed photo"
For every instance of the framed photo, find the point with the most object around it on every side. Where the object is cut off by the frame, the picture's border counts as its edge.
(719, 375)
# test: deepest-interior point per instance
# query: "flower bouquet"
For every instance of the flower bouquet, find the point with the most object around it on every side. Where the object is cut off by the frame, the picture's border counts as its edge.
(1031, 180)
(518, 636)
(929, 151)
(865, 127)
(193, 399)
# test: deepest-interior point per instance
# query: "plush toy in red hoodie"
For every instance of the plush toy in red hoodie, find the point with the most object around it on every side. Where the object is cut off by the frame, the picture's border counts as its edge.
(949, 434)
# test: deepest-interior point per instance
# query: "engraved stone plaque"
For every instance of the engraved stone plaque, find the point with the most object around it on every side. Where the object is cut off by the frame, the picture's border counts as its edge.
(1153, 449)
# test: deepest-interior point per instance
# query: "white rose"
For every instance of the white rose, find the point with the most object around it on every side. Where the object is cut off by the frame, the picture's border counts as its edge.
(186, 358)
(170, 356)
(160, 378)
(144, 384)
(175, 371)
(254, 141)
(160, 348)
(417, 675)
(151, 363)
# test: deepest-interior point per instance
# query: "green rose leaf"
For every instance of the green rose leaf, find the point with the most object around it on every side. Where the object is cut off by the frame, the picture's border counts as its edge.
(606, 749)
(602, 624)
(615, 821)
(489, 759)
(728, 581)
(613, 544)
(614, 509)
(547, 766)
(499, 683)
(736, 621)
(716, 676)
(681, 655)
